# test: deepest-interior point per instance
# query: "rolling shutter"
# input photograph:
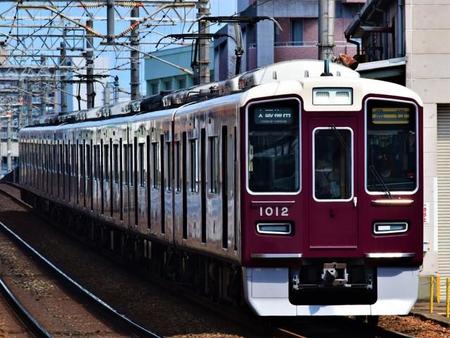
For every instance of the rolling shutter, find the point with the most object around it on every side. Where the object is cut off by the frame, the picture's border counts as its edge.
(443, 171)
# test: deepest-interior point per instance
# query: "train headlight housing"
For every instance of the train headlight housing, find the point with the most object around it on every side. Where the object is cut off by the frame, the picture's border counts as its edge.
(387, 228)
(332, 96)
(274, 228)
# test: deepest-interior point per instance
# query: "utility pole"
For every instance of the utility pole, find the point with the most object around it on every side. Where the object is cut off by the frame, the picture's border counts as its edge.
(90, 65)
(134, 55)
(203, 44)
(63, 81)
(326, 28)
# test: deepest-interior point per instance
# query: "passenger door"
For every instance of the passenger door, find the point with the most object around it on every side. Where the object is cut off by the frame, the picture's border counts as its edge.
(333, 213)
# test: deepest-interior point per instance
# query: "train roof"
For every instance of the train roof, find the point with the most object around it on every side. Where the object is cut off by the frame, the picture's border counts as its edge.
(272, 80)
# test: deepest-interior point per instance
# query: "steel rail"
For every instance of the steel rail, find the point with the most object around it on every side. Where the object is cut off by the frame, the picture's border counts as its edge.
(136, 328)
(30, 322)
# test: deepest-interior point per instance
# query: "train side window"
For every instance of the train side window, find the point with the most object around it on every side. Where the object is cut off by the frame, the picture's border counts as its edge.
(141, 165)
(391, 147)
(116, 162)
(273, 155)
(193, 160)
(213, 164)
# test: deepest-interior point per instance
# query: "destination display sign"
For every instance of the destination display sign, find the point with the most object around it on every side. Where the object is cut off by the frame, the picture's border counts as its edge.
(390, 115)
(264, 115)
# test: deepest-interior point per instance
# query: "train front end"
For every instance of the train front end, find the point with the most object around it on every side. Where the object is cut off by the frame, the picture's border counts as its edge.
(332, 202)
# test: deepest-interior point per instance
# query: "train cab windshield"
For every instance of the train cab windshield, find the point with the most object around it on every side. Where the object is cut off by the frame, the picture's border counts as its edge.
(273, 146)
(391, 146)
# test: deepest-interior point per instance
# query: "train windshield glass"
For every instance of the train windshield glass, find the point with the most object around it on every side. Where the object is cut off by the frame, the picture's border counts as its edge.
(391, 147)
(273, 147)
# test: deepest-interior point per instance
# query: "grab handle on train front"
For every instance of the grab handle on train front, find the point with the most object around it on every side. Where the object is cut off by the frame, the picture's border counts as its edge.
(355, 201)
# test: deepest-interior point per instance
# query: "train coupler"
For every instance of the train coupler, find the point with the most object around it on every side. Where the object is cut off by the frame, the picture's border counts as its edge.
(334, 274)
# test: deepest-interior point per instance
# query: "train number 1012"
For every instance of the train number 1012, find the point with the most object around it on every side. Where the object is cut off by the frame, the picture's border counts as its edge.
(274, 211)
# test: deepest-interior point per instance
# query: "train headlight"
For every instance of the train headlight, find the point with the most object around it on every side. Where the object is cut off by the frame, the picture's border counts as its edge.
(332, 96)
(386, 228)
(274, 228)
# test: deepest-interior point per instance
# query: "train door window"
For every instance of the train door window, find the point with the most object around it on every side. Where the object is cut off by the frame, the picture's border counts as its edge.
(333, 163)
(88, 161)
(81, 154)
(193, 160)
(155, 164)
(116, 162)
(126, 159)
(61, 159)
(391, 147)
(224, 162)
(95, 170)
(203, 183)
(235, 187)
(141, 165)
(67, 160)
(98, 159)
(148, 154)
(273, 146)
(120, 179)
(169, 166)
(163, 204)
(131, 164)
(73, 160)
(106, 162)
(213, 164)
(184, 182)
(177, 166)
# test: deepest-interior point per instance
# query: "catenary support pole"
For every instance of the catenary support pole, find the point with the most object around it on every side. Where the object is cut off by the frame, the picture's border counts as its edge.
(90, 92)
(63, 79)
(134, 56)
(326, 28)
(203, 51)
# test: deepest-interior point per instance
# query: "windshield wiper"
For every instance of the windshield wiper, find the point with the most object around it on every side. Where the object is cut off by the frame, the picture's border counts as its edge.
(380, 180)
(340, 138)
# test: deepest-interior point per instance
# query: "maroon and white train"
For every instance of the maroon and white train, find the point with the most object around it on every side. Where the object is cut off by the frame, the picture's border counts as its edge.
(299, 192)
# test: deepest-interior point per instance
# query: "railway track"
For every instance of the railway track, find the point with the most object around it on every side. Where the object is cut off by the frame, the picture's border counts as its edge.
(20, 318)
(308, 327)
(126, 326)
(334, 327)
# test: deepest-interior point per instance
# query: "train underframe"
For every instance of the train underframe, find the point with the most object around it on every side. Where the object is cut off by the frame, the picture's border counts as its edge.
(205, 276)
(335, 288)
